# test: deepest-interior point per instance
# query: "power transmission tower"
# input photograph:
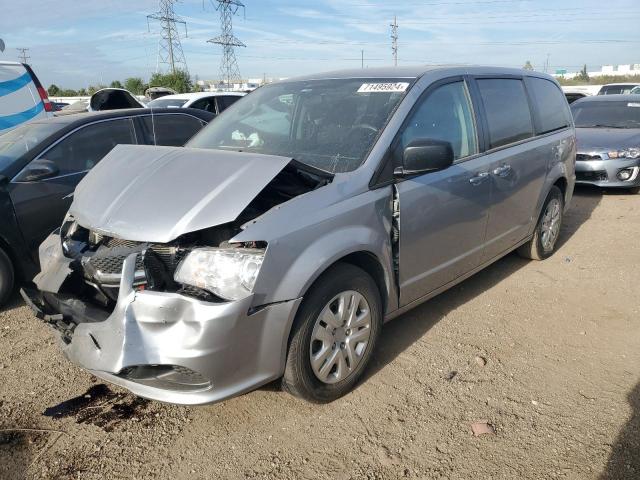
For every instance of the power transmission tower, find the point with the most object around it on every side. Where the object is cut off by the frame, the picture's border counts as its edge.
(169, 46)
(229, 70)
(23, 55)
(394, 40)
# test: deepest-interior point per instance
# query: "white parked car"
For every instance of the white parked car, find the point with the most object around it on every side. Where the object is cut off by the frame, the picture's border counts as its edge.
(214, 102)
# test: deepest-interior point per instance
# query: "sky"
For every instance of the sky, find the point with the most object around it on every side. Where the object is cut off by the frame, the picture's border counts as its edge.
(76, 43)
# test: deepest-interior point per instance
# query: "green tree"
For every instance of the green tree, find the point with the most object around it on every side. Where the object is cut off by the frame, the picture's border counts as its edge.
(135, 85)
(179, 81)
(91, 89)
(583, 76)
(53, 90)
(67, 92)
(82, 92)
(528, 66)
(116, 84)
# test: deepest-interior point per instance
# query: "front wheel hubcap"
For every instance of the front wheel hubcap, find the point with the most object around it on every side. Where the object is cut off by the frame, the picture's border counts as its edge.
(340, 337)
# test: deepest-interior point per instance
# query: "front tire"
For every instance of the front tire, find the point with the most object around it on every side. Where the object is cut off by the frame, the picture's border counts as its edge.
(543, 243)
(7, 277)
(334, 335)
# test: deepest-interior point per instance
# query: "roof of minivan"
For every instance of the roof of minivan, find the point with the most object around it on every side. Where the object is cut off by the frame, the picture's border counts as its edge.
(626, 97)
(414, 72)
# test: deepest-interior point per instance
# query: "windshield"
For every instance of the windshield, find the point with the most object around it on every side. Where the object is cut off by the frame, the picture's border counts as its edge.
(328, 124)
(166, 103)
(19, 141)
(607, 114)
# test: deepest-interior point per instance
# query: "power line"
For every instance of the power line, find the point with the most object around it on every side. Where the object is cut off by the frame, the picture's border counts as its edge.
(394, 40)
(229, 69)
(169, 46)
(23, 55)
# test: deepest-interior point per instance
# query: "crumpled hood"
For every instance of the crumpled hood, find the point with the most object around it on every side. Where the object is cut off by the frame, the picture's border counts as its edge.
(606, 139)
(155, 194)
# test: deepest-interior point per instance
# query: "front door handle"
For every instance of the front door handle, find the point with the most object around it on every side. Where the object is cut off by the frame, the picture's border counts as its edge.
(479, 178)
(503, 170)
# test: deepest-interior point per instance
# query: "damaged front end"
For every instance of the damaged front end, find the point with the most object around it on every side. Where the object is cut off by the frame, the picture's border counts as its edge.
(144, 315)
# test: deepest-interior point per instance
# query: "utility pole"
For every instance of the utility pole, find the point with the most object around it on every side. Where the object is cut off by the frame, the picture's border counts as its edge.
(169, 46)
(229, 70)
(23, 55)
(546, 63)
(394, 40)
(362, 58)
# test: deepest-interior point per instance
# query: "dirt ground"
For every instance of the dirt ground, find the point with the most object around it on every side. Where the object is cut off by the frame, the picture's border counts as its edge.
(560, 386)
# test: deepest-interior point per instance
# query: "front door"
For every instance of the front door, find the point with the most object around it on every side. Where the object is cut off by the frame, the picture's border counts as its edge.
(443, 215)
(40, 206)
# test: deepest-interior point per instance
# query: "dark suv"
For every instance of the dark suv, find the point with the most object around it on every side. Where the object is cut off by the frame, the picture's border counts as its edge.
(42, 162)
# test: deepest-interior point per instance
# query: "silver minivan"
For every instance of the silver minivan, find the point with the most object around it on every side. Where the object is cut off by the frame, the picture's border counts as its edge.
(278, 242)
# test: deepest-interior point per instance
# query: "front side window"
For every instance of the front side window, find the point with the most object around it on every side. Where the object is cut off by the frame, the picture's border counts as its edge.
(329, 124)
(507, 109)
(605, 114)
(170, 130)
(83, 149)
(551, 105)
(207, 104)
(22, 139)
(225, 101)
(446, 114)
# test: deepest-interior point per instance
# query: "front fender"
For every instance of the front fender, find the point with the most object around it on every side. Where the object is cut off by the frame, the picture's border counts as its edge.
(304, 239)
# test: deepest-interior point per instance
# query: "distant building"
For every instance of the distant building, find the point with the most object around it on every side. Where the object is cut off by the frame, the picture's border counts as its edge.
(242, 86)
(630, 69)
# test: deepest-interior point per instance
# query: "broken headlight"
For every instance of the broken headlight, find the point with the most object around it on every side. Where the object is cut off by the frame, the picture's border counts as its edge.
(229, 273)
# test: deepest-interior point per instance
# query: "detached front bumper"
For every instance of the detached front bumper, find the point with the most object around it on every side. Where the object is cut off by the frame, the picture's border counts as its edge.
(166, 346)
(604, 173)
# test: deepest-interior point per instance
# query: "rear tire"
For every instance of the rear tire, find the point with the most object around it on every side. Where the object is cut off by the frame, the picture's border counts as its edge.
(7, 277)
(334, 335)
(543, 243)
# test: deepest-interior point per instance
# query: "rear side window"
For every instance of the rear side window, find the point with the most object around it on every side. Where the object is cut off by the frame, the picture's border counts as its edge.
(169, 130)
(226, 101)
(507, 109)
(553, 111)
(83, 149)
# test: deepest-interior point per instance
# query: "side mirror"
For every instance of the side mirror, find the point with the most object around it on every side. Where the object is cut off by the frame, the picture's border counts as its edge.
(423, 156)
(38, 170)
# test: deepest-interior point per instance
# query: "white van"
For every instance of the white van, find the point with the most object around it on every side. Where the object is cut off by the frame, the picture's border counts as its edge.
(22, 97)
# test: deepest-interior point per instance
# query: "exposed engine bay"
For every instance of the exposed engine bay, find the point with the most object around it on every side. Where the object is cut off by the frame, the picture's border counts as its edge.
(97, 258)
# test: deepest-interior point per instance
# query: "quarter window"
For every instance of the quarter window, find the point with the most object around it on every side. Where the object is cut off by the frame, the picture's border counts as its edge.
(550, 103)
(446, 115)
(83, 149)
(507, 109)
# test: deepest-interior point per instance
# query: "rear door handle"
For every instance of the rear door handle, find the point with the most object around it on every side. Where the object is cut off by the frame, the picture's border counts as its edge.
(479, 178)
(502, 171)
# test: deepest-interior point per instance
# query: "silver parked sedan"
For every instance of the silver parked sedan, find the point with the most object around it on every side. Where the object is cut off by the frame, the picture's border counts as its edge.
(280, 239)
(608, 137)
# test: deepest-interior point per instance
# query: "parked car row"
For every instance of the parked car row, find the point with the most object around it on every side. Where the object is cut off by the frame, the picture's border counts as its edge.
(283, 235)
